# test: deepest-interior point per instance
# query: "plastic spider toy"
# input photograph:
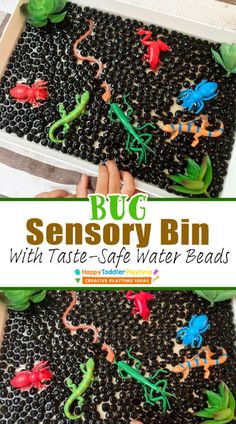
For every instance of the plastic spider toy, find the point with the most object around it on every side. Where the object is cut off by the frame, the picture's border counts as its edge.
(24, 380)
(191, 334)
(193, 99)
(25, 93)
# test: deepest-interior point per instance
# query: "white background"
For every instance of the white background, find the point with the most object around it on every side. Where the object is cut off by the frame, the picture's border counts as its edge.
(219, 215)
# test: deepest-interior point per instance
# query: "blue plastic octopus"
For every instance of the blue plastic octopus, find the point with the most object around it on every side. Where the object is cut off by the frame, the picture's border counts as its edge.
(191, 335)
(193, 99)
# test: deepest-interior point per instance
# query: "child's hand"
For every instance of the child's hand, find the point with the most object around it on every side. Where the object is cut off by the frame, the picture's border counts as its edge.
(109, 181)
(55, 194)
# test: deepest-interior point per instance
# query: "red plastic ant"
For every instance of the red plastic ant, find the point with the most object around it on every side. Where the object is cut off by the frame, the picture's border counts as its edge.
(25, 93)
(25, 380)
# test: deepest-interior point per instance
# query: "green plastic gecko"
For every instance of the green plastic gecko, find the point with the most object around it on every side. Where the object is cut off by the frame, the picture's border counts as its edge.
(77, 392)
(81, 104)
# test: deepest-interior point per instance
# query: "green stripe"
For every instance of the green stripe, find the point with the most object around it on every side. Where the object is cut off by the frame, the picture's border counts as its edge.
(179, 199)
(152, 288)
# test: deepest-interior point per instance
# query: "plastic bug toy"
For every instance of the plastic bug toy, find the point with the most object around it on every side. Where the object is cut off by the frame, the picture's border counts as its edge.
(110, 353)
(140, 300)
(193, 99)
(191, 335)
(25, 380)
(206, 362)
(191, 127)
(107, 95)
(83, 327)
(154, 49)
(77, 392)
(125, 371)
(81, 104)
(135, 143)
(24, 93)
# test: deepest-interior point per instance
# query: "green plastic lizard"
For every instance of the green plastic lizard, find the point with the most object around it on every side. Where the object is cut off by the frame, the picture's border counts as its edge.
(77, 392)
(81, 104)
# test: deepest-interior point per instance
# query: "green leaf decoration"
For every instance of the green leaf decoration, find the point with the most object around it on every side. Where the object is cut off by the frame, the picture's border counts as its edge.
(218, 421)
(222, 415)
(209, 173)
(206, 413)
(203, 168)
(179, 178)
(55, 19)
(224, 394)
(20, 307)
(193, 185)
(226, 58)
(214, 399)
(228, 54)
(19, 300)
(38, 296)
(36, 12)
(24, 10)
(218, 58)
(232, 402)
(38, 23)
(193, 168)
(214, 296)
(61, 4)
(39, 12)
(196, 180)
(185, 190)
(221, 409)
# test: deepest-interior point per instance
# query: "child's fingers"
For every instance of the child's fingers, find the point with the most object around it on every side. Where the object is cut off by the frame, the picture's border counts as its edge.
(53, 194)
(82, 187)
(102, 180)
(129, 184)
(114, 177)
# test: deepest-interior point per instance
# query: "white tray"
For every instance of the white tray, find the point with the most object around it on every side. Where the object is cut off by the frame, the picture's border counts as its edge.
(203, 18)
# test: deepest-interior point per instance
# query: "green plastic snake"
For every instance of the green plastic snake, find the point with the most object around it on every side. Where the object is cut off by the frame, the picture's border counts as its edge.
(77, 392)
(81, 104)
(135, 143)
(158, 388)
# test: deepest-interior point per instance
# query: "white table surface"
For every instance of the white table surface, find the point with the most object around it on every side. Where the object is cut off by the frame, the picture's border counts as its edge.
(8, 5)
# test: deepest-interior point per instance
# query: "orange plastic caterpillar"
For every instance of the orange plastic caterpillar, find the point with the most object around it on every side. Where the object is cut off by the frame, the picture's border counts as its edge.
(110, 353)
(83, 327)
(107, 95)
(191, 127)
(206, 362)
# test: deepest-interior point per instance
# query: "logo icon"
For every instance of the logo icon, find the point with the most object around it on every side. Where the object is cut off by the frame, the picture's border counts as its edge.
(155, 275)
(77, 272)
